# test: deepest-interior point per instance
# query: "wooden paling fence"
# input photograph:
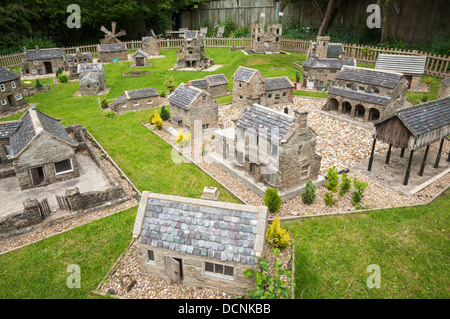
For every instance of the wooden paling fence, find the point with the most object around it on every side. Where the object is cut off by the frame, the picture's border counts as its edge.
(44, 208)
(63, 202)
(436, 65)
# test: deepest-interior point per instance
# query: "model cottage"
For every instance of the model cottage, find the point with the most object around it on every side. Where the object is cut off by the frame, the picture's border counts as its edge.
(73, 60)
(150, 45)
(11, 91)
(215, 85)
(200, 242)
(92, 79)
(110, 52)
(43, 61)
(266, 39)
(136, 100)
(192, 53)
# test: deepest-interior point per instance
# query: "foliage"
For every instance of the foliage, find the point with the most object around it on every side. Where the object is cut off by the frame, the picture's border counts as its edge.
(242, 32)
(63, 78)
(58, 71)
(182, 139)
(267, 286)
(329, 199)
(278, 236)
(309, 195)
(272, 200)
(424, 98)
(162, 94)
(345, 185)
(38, 84)
(103, 103)
(169, 84)
(155, 119)
(358, 191)
(165, 114)
(427, 80)
(110, 114)
(297, 77)
(332, 179)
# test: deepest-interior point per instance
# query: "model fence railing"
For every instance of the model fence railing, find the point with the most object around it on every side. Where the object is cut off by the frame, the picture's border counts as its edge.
(436, 65)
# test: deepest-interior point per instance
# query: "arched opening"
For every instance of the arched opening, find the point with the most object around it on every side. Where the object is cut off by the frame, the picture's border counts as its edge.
(333, 105)
(374, 115)
(359, 111)
(346, 108)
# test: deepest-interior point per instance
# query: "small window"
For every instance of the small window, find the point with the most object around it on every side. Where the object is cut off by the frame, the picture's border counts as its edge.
(305, 171)
(205, 126)
(3, 101)
(269, 96)
(18, 97)
(150, 102)
(284, 93)
(35, 62)
(240, 157)
(332, 71)
(348, 85)
(6, 150)
(64, 166)
(376, 91)
(361, 88)
(75, 60)
(150, 255)
(319, 71)
(13, 84)
(204, 98)
(219, 269)
(136, 103)
(2, 87)
(240, 97)
(88, 86)
(33, 71)
(320, 83)
(240, 85)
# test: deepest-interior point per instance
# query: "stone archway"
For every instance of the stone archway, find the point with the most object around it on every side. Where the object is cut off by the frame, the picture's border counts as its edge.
(346, 108)
(360, 111)
(374, 114)
(333, 105)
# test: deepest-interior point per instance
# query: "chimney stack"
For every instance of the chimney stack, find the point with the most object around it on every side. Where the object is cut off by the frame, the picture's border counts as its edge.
(301, 117)
(37, 48)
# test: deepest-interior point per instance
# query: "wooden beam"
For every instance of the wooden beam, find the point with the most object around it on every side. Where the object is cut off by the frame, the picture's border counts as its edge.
(402, 153)
(408, 169)
(438, 158)
(422, 167)
(388, 156)
(369, 168)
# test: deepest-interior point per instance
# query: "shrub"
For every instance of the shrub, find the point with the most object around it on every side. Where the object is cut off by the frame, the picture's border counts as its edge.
(297, 77)
(424, 98)
(58, 72)
(272, 200)
(242, 32)
(162, 94)
(309, 195)
(182, 139)
(333, 179)
(346, 184)
(358, 192)
(165, 115)
(159, 124)
(329, 199)
(110, 114)
(63, 78)
(169, 84)
(267, 286)
(427, 80)
(103, 103)
(156, 119)
(278, 236)
(38, 84)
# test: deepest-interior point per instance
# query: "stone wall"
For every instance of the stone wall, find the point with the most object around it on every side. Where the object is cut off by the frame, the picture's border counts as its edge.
(281, 96)
(106, 57)
(245, 94)
(90, 200)
(14, 222)
(218, 90)
(39, 68)
(9, 95)
(320, 77)
(444, 91)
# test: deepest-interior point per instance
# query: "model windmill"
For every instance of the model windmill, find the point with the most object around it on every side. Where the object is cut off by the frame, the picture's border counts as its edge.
(111, 36)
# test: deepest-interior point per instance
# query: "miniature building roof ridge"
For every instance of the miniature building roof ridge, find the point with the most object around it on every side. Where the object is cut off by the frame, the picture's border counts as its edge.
(8, 75)
(241, 77)
(43, 54)
(112, 47)
(371, 70)
(360, 96)
(183, 95)
(328, 63)
(381, 78)
(278, 82)
(140, 51)
(291, 117)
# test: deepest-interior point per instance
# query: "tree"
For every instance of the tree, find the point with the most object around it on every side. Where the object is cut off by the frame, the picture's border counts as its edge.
(326, 18)
(272, 200)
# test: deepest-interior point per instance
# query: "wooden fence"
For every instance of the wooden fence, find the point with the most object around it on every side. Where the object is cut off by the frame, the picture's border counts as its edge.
(436, 65)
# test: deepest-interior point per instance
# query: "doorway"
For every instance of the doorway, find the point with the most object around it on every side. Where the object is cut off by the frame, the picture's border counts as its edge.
(11, 101)
(48, 67)
(174, 269)
(38, 176)
(140, 61)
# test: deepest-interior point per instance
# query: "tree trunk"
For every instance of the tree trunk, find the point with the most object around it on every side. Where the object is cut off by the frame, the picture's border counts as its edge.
(326, 19)
(384, 5)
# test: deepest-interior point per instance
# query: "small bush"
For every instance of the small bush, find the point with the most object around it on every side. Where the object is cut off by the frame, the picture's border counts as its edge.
(169, 84)
(38, 84)
(110, 114)
(156, 120)
(278, 236)
(309, 195)
(103, 103)
(424, 98)
(165, 115)
(333, 179)
(182, 139)
(297, 77)
(272, 200)
(345, 186)
(159, 124)
(358, 192)
(58, 72)
(162, 94)
(427, 80)
(329, 199)
(63, 78)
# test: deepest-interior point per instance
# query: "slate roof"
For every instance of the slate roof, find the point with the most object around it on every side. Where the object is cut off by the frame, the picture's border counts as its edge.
(9, 128)
(361, 96)
(243, 74)
(112, 47)
(335, 50)
(424, 118)
(369, 76)
(201, 84)
(139, 52)
(136, 94)
(446, 82)
(220, 231)
(191, 35)
(120, 99)
(43, 54)
(8, 75)
(183, 96)
(278, 83)
(69, 57)
(30, 128)
(146, 39)
(262, 120)
(89, 67)
(217, 79)
(408, 64)
(328, 63)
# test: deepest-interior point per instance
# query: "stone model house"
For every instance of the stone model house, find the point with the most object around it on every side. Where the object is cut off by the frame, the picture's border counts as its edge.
(189, 104)
(7, 129)
(41, 150)
(136, 100)
(266, 41)
(150, 45)
(192, 53)
(444, 90)
(215, 85)
(139, 58)
(250, 87)
(412, 67)
(200, 242)
(11, 91)
(323, 49)
(367, 94)
(320, 74)
(92, 78)
(74, 59)
(269, 149)
(43, 61)
(108, 52)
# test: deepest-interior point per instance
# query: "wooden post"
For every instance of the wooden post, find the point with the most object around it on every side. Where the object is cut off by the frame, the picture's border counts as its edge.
(402, 153)
(422, 167)
(369, 168)
(438, 158)
(408, 169)
(448, 158)
(388, 156)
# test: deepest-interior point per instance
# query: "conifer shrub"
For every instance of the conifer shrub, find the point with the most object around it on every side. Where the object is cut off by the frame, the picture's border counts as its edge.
(309, 195)
(278, 236)
(38, 84)
(358, 191)
(272, 200)
(345, 185)
(103, 103)
(165, 115)
(332, 179)
(329, 199)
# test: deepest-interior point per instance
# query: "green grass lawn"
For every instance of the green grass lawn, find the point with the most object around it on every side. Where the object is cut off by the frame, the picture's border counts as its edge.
(410, 246)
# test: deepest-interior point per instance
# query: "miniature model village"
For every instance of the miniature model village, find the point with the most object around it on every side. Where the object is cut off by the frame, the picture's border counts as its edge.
(266, 138)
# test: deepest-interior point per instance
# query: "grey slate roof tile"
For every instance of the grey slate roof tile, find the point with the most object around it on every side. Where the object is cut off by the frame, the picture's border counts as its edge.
(278, 83)
(9, 128)
(446, 82)
(361, 96)
(183, 96)
(201, 84)
(217, 79)
(243, 74)
(88, 55)
(369, 76)
(8, 75)
(43, 54)
(335, 50)
(112, 47)
(327, 63)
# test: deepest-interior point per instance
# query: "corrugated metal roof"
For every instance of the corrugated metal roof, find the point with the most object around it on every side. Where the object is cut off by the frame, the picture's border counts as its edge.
(409, 64)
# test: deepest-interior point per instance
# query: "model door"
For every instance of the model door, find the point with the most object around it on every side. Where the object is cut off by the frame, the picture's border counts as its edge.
(173, 269)
(38, 176)
(48, 67)
(139, 61)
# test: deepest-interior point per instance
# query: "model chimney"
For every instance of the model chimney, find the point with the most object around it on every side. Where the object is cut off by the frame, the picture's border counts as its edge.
(37, 48)
(301, 117)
